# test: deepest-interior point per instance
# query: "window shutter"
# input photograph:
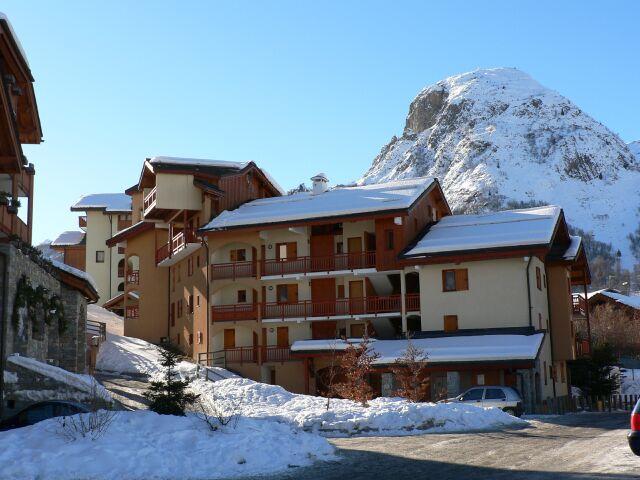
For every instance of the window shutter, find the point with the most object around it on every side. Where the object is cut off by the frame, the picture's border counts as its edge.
(462, 279)
(444, 280)
(292, 251)
(234, 255)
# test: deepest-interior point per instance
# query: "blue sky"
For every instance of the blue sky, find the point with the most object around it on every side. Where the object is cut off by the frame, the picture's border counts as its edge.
(298, 87)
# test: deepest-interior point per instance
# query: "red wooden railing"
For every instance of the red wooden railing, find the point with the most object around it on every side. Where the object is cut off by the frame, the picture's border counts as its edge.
(178, 242)
(340, 261)
(241, 355)
(412, 302)
(233, 270)
(582, 348)
(133, 277)
(579, 304)
(132, 312)
(238, 311)
(276, 354)
(329, 308)
(150, 199)
(162, 253)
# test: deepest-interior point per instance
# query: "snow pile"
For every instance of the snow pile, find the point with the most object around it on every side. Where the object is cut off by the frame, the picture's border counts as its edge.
(384, 416)
(84, 383)
(144, 444)
(494, 135)
(114, 323)
(128, 355)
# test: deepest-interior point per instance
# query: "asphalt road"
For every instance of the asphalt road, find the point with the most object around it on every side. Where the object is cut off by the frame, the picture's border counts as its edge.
(582, 446)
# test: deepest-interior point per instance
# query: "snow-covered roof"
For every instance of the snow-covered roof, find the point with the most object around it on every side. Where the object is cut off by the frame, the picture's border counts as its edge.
(530, 226)
(109, 202)
(336, 202)
(573, 248)
(203, 162)
(68, 238)
(632, 301)
(461, 348)
(76, 273)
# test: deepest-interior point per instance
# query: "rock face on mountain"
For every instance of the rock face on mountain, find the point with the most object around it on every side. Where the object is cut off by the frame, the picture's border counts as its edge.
(494, 137)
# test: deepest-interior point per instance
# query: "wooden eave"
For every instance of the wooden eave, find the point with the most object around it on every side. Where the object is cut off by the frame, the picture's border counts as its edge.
(83, 286)
(130, 232)
(28, 119)
(461, 256)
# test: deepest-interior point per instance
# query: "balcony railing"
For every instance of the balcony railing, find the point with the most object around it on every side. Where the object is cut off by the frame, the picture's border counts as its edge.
(132, 312)
(162, 253)
(331, 308)
(239, 311)
(233, 270)
(412, 302)
(340, 261)
(241, 355)
(178, 242)
(150, 199)
(579, 305)
(276, 354)
(120, 272)
(133, 277)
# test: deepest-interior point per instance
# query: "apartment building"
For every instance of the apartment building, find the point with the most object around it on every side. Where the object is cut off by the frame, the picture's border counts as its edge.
(166, 265)
(488, 296)
(105, 214)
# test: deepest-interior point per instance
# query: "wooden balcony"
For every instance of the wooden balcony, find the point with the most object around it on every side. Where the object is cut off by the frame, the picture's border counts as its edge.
(178, 244)
(233, 270)
(274, 353)
(579, 305)
(412, 302)
(132, 312)
(241, 355)
(235, 312)
(149, 201)
(133, 277)
(332, 263)
(11, 224)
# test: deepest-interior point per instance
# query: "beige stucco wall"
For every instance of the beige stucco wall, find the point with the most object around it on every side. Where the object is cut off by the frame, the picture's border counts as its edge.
(101, 227)
(496, 298)
(272, 237)
(177, 192)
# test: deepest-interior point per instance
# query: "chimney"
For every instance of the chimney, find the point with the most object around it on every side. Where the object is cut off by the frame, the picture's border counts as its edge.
(320, 184)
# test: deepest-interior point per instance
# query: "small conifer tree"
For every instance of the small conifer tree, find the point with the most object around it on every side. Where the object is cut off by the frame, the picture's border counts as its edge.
(169, 396)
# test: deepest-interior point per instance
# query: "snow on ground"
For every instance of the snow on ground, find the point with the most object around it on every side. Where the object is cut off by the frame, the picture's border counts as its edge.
(145, 445)
(384, 416)
(114, 323)
(85, 383)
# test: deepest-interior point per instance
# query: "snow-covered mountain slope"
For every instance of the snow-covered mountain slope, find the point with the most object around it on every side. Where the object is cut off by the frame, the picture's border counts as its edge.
(496, 135)
(635, 148)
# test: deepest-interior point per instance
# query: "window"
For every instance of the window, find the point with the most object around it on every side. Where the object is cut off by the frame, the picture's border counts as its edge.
(199, 338)
(494, 394)
(179, 308)
(121, 250)
(287, 251)
(100, 256)
(189, 267)
(121, 287)
(198, 261)
(473, 394)
(544, 368)
(191, 339)
(538, 278)
(238, 255)
(388, 240)
(197, 300)
(339, 247)
(242, 296)
(455, 280)
(172, 314)
(282, 293)
(190, 303)
(450, 323)
(480, 379)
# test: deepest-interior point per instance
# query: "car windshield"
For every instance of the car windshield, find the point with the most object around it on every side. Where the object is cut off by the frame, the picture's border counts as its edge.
(473, 394)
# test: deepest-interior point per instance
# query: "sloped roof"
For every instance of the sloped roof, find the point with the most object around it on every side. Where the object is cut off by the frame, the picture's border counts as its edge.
(337, 202)
(632, 301)
(90, 291)
(460, 348)
(109, 202)
(69, 238)
(457, 233)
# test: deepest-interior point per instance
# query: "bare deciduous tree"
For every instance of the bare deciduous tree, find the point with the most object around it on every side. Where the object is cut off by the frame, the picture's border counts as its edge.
(615, 327)
(408, 371)
(88, 425)
(356, 365)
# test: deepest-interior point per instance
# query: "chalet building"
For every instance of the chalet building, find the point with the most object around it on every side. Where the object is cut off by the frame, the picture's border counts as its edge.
(629, 304)
(105, 214)
(72, 246)
(44, 304)
(166, 263)
(488, 296)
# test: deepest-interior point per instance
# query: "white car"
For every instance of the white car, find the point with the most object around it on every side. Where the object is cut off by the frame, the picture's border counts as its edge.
(505, 398)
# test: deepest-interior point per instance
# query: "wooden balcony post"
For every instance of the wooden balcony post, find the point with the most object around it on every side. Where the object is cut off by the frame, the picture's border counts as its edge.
(586, 307)
(403, 301)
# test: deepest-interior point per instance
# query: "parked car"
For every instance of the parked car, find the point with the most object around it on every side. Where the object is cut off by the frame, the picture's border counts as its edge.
(506, 398)
(634, 434)
(39, 411)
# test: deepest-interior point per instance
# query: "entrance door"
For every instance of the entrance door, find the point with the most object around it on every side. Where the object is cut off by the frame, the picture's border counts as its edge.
(323, 297)
(229, 338)
(322, 253)
(283, 336)
(354, 245)
(356, 297)
(323, 330)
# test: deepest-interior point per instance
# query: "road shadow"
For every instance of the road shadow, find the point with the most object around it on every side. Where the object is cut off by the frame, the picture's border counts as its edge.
(595, 420)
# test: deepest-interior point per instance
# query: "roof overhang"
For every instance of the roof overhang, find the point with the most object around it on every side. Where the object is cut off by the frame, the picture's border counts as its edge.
(130, 232)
